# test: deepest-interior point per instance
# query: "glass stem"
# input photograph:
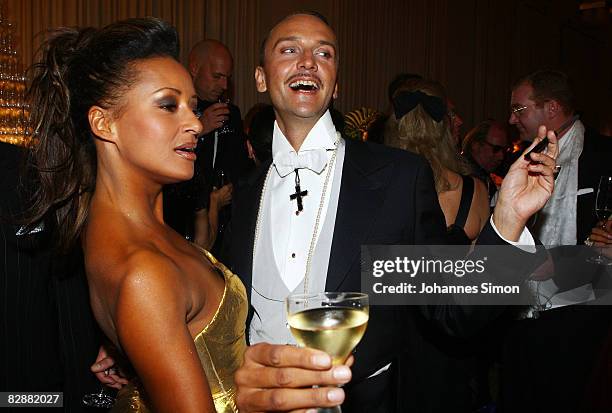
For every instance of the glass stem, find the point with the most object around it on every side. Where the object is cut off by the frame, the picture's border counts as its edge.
(335, 409)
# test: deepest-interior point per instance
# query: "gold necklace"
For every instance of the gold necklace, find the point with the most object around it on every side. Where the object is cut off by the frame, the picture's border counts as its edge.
(330, 167)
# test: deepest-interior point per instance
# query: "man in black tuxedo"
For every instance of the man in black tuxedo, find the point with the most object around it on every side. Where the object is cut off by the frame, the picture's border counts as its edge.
(211, 66)
(347, 194)
(197, 206)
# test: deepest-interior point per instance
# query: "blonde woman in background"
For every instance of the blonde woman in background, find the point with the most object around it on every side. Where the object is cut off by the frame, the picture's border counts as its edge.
(420, 124)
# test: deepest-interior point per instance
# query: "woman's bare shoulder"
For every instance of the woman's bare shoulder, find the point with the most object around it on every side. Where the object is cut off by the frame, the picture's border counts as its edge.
(454, 179)
(119, 258)
(133, 260)
(450, 198)
(481, 197)
(149, 276)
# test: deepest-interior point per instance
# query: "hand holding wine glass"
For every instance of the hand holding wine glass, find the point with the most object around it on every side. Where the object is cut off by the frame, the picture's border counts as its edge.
(106, 368)
(601, 237)
(331, 322)
(603, 210)
(107, 372)
(214, 116)
(276, 377)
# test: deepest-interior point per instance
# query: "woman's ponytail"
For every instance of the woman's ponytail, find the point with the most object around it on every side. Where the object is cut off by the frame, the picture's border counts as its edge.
(63, 167)
(78, 69)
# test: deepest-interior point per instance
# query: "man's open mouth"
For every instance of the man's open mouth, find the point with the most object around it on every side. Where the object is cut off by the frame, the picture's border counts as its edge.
(304, 85)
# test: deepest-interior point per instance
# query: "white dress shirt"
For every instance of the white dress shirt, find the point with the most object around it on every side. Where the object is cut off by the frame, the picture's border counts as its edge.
(283, 239)
(293, 233)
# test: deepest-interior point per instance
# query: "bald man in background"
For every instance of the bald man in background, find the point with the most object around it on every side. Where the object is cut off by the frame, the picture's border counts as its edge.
(211, 66)
(197, 207)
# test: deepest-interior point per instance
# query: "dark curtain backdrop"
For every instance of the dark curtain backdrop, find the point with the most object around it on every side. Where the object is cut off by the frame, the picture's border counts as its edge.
(477, 48)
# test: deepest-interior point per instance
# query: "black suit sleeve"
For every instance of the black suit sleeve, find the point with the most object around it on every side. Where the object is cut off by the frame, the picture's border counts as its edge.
(429, 229)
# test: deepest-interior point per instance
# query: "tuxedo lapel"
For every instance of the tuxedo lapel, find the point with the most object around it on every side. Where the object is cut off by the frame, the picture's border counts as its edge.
(364, 179)
(245, 225)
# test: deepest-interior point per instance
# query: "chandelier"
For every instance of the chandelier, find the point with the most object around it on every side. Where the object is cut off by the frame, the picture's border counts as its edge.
(13, 107)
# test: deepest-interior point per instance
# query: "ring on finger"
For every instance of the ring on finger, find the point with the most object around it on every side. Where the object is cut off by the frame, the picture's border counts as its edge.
(588, 242)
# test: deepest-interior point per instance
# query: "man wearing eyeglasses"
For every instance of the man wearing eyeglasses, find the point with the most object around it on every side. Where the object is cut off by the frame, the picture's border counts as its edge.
(545, 98)
(559, 384)
(485, 148)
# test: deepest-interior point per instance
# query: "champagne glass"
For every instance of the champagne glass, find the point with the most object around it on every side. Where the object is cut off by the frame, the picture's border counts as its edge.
(331, 322)
(225, 127)
(603, 210)
(100, 400)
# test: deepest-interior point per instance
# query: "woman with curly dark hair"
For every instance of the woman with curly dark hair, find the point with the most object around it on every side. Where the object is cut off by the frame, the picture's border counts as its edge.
(113, 112)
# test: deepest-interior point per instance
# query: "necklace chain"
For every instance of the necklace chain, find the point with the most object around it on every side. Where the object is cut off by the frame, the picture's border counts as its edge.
(330, 167)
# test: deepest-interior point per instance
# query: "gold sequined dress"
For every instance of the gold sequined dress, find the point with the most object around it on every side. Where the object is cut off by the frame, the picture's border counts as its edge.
(220, 345)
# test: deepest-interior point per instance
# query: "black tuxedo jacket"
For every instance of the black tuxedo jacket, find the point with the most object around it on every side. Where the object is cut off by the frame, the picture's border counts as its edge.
(387, 196)
(48, 335)
(232, 157)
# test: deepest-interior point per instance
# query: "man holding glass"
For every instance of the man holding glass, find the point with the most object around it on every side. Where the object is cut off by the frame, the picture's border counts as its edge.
(545, 98)
(198, 208)
(320, 199)
(222, 144)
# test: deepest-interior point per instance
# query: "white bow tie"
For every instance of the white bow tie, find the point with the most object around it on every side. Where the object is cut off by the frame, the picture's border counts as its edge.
(313, 159)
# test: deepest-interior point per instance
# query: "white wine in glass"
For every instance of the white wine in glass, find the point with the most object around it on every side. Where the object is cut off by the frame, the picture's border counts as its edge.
(331, 322)
(603, 211)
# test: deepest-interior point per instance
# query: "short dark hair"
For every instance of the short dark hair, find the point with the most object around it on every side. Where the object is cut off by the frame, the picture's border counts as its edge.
(550, 85)
(477, 134)
(480, 132)
(262, 47)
